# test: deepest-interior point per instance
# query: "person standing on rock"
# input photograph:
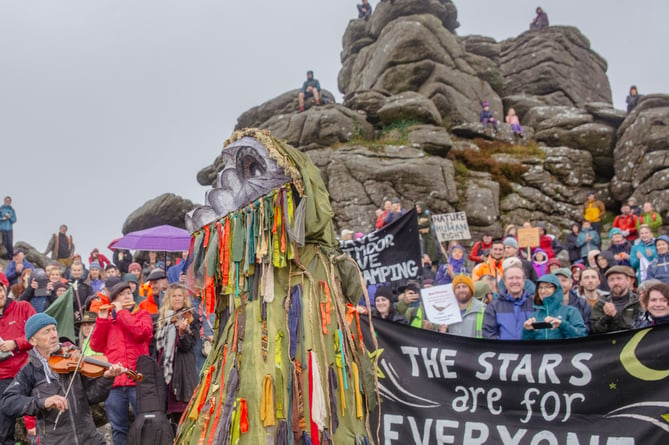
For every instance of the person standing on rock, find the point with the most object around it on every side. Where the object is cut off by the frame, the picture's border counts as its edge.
(593, 210)
(632, 98)
(61, 247)
(7, 220)
(540, 21)
(310, 88)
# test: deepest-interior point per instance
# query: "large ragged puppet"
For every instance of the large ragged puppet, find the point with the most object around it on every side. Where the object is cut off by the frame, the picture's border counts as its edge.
(288, 364)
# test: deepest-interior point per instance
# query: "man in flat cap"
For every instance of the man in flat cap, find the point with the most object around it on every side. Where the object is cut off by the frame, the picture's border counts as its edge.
(617, 310)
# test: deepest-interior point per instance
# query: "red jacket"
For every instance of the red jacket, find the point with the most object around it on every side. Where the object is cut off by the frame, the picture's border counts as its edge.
(546, 244)
(628, 222)
(475, 254)
(12, 327)
(123, 339)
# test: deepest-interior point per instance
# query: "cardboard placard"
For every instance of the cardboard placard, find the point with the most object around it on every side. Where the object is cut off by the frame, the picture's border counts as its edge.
(451, 226)
(528, 237)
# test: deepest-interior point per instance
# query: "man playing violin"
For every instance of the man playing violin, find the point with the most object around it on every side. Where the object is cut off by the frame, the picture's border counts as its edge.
(62, 417)
(122, 333)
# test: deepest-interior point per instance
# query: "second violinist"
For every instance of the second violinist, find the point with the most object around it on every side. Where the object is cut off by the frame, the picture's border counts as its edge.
(122, 333)
(175, 339)
(38, 391)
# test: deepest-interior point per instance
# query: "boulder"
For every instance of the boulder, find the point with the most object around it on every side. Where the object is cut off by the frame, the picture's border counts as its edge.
(473, 130)
(417, 53)
(606, 113)
(409, 106)
(556, 63)
(285, 103)
(433, 140)
(483, 46)
(385, 13)
(369, 102)
(572, 167)
(359, 179)
(641, 155)
(575, 128)
(167, 208)
(319, 126)
(481, 202)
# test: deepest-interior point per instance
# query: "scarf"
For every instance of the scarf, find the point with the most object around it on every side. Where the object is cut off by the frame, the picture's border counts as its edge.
(166, 339)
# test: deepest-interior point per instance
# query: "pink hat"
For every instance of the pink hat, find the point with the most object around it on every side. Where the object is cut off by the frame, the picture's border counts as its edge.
(134, 266)
(3, 280)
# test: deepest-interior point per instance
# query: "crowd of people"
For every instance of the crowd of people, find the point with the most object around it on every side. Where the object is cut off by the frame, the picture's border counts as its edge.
(122, 310)
(557, 289)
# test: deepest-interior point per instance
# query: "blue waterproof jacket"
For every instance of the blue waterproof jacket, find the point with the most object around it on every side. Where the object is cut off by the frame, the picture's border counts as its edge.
(504, 317)
(572, 323)
(6, 224)
(639, 246)
(659, 269)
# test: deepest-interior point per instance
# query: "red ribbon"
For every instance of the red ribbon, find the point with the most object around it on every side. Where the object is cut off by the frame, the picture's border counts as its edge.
(243, 416)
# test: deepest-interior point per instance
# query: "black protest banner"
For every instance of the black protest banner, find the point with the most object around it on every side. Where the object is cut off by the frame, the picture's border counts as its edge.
(388, 254)
(601, 390)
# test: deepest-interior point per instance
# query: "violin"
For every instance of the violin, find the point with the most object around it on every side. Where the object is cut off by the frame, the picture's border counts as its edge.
(67, 361)
(183, 314)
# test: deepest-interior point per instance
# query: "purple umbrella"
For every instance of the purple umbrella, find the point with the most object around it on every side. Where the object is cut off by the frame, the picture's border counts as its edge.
(160, 238)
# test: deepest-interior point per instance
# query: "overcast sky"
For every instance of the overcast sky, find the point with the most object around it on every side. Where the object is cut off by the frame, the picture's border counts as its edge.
(107, 104)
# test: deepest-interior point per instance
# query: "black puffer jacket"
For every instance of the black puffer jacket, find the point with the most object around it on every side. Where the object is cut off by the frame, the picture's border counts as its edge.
(30, 389)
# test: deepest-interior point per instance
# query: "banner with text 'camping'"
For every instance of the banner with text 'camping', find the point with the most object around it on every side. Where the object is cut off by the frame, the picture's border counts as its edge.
(602, 390)
(388, 254)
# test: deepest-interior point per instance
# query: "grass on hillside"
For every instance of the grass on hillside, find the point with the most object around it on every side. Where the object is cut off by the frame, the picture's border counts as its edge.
(504, 173)
(396, 133)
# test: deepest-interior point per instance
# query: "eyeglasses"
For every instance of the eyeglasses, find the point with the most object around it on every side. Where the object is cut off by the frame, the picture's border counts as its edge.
(546, 287)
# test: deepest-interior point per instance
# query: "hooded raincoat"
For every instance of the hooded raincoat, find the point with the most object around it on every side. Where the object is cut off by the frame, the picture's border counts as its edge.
(571, 326)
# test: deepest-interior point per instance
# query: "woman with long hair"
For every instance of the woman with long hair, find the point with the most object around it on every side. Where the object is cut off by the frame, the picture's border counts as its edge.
(95, 278)
(175, 338)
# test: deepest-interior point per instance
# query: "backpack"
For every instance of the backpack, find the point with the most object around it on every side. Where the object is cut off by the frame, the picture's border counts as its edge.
(151, 425)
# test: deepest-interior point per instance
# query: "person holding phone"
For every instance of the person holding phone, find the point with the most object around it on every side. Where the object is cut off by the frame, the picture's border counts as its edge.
(552, 318)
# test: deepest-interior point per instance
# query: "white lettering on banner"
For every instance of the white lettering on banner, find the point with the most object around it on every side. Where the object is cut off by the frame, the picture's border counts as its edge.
(586, 374)
(393, 272)
(430, 362)
(470, 402)
(510, 367)
(448, 431)
(549, 401)
(545, 373)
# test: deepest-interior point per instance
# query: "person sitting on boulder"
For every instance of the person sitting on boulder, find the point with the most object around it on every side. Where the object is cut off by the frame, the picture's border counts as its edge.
(364, 10)
(540, 21)
(632, 98)
(310, 87)
(512, 119)
(486, 117)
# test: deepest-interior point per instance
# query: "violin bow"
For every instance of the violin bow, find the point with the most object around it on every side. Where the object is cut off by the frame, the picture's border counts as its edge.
(69, 387)
(176, 314)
